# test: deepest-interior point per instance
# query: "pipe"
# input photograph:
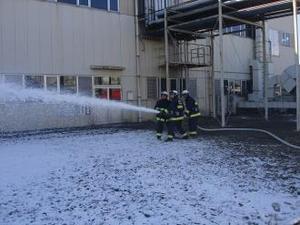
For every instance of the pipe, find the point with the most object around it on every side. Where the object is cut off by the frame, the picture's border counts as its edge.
(296, 40)
(166, 36)
(253, 130)
(138, 62)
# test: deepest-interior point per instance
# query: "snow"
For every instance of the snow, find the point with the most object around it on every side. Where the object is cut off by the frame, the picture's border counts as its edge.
(128, 177)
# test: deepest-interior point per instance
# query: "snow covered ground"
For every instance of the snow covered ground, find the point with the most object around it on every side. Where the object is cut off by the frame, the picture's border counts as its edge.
(125, 177)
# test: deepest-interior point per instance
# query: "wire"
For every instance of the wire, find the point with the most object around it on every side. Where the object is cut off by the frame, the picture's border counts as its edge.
(251, 129)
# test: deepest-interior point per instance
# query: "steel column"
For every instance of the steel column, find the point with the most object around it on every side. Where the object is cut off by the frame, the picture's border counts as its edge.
(221, 46)
(213, 91)
(265, 71)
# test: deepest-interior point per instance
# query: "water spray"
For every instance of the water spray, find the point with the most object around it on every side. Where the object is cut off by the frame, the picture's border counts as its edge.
(13, 93)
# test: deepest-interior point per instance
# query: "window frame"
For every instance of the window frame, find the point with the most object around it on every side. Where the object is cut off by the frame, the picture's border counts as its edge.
(106, 86)
(89, 5)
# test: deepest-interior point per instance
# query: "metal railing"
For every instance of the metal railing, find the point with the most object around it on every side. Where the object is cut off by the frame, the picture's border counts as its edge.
(154, 8)
(190, 54)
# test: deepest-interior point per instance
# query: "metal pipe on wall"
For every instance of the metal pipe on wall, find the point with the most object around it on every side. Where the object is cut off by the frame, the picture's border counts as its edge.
(296, 39)
(138, 62)
(166, 49)
(213, 91)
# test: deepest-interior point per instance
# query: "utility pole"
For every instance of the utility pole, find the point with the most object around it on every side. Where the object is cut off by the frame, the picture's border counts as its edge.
(221, 46)
(296, 36)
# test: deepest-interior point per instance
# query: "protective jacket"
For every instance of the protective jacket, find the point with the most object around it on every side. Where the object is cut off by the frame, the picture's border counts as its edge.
(177, 109)
(192, 108)
(163, 106)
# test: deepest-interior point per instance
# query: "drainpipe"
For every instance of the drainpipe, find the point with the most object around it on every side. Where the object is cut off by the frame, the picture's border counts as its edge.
(138, 62)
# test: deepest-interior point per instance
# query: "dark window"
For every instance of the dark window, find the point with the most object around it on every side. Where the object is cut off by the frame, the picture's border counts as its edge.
(51, 83)
(173, 83)
(85, 86)
(99, 4)
(285, 39)
(114, 5)
(14, 79)
(101, 80)
(151, 88)
(34, 81)
(68, 84)
(182, 85)
(163, 85)
(101, 93)
(226, 87)
(68, 1)
(83, 2)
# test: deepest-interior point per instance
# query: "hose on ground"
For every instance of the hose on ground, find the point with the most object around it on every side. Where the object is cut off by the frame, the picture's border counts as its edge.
(253, 130)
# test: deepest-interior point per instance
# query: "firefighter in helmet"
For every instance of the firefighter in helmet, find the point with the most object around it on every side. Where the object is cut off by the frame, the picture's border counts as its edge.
(177, 113)
(163, 117)
(191, 112)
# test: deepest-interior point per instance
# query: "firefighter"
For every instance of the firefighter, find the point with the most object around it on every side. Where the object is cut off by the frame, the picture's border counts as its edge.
(163, 117)
(177, 113)
(191, 112)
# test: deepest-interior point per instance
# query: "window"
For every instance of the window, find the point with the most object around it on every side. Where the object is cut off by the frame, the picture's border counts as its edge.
(151, 88)
(107, 81)
(108, 88)
(114, 6)
(68, 84)
(85, 86)
(51, 83)
(34, 81)
(274, 38)
(101, 93)
(68, 1)
(182, 84)
(99, 4)
(84, 2)
(115, 94)
(163, 85)
(285, 39)
(173, 84)
(115, 81)
(101, 81)
(14, 79)
(239, 30)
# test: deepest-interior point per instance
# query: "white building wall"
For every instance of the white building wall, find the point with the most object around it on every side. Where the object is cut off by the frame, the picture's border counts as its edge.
(47, 38)
(39, 37)
(286, 56)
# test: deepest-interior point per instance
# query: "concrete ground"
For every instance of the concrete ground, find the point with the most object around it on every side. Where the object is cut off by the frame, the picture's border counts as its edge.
(125, 176)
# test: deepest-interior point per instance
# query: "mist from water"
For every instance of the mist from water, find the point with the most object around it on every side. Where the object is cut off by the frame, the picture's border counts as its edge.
(13, 93)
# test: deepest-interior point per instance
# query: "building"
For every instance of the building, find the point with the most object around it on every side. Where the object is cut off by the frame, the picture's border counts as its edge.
(100, 48)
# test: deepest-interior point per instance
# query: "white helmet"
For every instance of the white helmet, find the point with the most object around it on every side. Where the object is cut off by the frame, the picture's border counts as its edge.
(185, 92)
(164, 93)
(174, 92)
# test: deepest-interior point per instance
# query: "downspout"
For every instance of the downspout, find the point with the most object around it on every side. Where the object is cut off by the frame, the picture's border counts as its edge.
(138, 61)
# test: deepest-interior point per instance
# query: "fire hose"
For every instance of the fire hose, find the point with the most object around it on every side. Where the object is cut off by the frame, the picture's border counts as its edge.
(252, 130)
